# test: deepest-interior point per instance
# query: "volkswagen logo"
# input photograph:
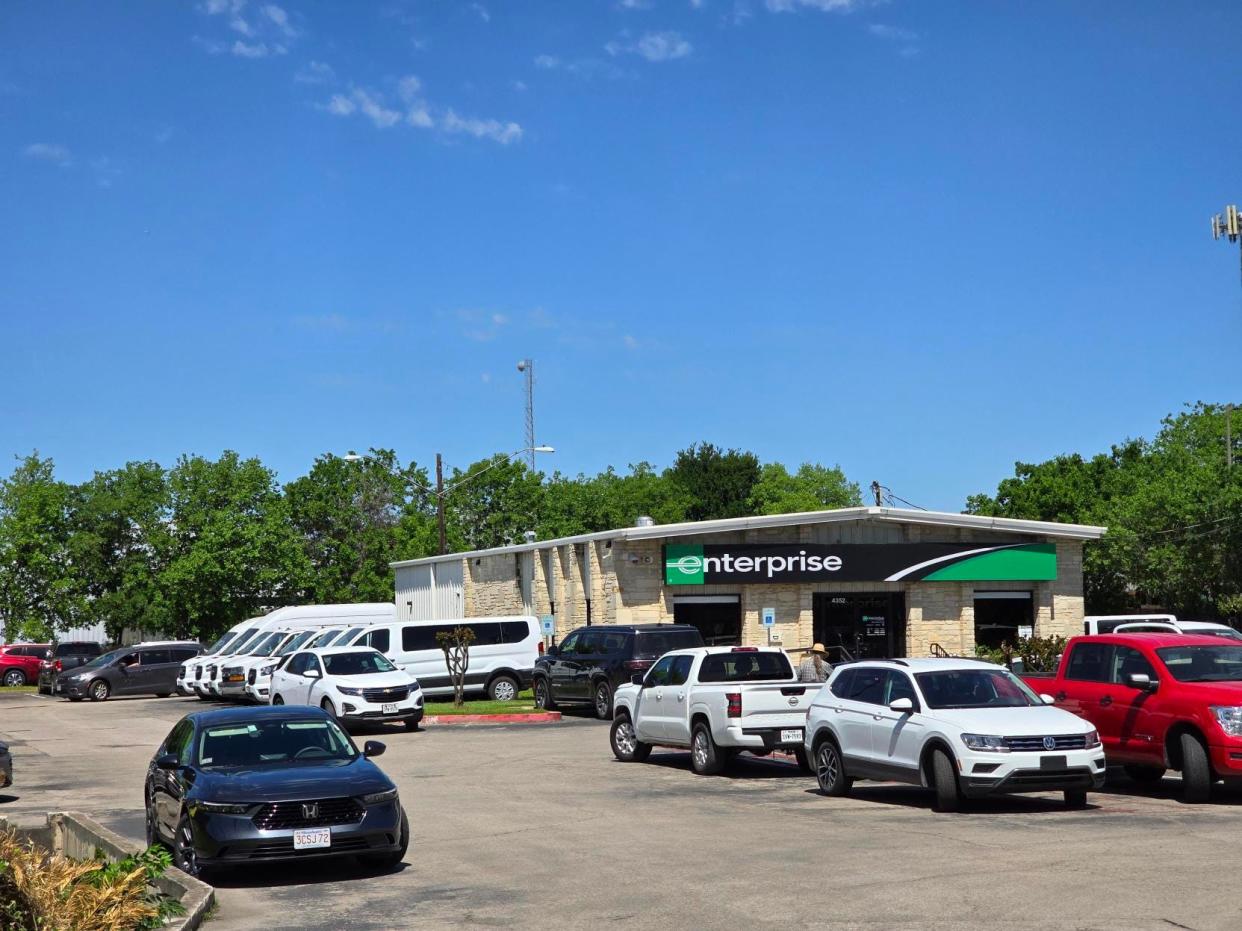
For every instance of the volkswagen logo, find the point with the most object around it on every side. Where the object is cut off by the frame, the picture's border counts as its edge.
(310, 810)
(1050, 743)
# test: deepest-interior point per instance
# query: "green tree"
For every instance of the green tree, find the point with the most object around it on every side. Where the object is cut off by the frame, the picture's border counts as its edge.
(812, 488)
(354, 518)
(40, 590)
(492, 503)
(717, 483)
(233, 551)
(119, 546)
(608, 501)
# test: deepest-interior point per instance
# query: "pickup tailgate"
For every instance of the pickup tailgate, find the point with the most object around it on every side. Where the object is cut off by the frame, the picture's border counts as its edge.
(774, 705)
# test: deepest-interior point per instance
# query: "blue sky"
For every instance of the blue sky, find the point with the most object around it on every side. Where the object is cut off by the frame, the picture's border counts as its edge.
(921, 240)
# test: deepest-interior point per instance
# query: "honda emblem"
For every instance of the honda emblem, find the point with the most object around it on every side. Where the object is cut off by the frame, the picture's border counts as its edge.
(310, 810)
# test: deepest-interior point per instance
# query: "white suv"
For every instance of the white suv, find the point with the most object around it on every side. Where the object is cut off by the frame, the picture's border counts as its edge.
(960, 727)
(351, 684)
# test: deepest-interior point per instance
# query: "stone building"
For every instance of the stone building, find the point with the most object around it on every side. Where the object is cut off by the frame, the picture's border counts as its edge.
(871, 581)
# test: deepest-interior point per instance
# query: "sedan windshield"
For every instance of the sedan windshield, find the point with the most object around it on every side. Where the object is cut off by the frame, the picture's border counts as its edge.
(975, 688)
(362, 663)
(272, 742)
(1221, 663)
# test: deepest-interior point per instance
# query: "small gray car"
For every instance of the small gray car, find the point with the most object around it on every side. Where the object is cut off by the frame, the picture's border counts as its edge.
(141, 669)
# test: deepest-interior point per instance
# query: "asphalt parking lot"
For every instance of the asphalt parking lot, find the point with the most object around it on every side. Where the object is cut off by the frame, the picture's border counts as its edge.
(538, 826)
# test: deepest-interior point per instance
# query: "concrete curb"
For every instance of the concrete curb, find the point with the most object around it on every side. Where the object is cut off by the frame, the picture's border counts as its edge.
(540, 717)
(77, 836)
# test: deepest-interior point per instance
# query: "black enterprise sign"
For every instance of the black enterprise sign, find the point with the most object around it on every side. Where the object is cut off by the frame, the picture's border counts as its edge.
(711, 564)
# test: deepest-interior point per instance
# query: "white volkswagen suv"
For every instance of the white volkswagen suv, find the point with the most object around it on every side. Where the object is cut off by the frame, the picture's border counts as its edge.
(958, 726)
(351, 684)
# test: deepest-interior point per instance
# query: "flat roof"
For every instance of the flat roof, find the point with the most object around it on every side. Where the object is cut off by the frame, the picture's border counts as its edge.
(1039, 528)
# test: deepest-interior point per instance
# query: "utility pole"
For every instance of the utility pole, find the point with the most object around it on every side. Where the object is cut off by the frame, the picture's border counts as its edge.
(440, 502)
(527, 366)
(1228, 225)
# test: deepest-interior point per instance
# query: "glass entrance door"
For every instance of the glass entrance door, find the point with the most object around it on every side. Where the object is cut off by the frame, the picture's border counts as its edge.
(861, 625)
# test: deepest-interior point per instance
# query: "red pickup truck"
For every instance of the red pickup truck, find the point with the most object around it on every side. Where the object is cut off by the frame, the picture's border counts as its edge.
(1159, 701)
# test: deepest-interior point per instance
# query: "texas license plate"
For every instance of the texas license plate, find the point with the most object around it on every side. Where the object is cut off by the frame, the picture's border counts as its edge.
(390, 709)
(792, 736)
(311, 838)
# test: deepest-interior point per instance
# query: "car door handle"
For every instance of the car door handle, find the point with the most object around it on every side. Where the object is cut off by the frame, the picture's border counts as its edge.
(1106, 701)
(681, 696)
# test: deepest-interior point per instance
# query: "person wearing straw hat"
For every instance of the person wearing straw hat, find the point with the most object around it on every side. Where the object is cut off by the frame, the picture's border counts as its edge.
(814, 668)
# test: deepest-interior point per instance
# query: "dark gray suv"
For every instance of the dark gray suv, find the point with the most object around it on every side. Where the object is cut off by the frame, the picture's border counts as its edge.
(142, 669)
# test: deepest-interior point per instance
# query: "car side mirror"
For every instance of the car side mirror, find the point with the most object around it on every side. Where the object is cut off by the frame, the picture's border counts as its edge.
(373, 748)
(1047, 699)
(1141, 680)
(168, 762)
(311, 674)
(637, 679)
(901, 706)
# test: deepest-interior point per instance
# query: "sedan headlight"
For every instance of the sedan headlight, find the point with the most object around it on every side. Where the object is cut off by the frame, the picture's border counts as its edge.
(348, 690)
(1093, 740)
(222, 808)
(379, 798)
(1229, 717)
(985, 742)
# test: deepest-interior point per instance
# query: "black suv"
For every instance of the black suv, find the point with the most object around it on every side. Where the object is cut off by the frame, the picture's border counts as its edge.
(67, 655)
(591, 662)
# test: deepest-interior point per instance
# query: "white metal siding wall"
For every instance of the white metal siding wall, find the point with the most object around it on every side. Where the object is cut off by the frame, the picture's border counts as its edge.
(415, 593)
(447, 590)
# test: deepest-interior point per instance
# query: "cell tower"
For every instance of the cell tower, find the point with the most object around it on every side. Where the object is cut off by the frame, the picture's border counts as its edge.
(1227, 225)
(527, 367)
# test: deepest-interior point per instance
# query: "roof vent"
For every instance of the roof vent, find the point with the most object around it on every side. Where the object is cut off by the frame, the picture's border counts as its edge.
(644, 521)
(530, 536)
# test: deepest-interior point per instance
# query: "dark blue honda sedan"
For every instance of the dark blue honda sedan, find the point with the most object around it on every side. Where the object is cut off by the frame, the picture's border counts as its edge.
(245, 785)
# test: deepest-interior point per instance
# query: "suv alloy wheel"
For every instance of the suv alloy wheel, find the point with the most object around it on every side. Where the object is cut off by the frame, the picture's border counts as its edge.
(603, 700)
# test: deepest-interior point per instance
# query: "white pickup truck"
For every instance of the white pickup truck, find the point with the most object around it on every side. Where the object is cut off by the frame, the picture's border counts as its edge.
(717, 701)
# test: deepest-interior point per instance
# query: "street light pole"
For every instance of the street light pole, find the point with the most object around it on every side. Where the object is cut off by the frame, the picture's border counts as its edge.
(440, 502)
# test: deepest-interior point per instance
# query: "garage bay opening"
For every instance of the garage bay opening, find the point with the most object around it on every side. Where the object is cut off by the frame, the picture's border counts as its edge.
(718, 617)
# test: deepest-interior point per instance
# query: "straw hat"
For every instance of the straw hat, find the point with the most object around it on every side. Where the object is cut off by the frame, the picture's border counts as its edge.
(818, 648)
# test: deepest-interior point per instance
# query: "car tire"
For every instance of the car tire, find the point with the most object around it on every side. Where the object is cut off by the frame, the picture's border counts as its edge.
(503, 688)
(804, 761)
(705, 757)
(1075, 798)
(99, 690)
(626, 746)
(386, 861)
(74, 697)
(327, 706)
(277, 700)
(601, 699)
(830, 769)
(153, 834)
(162, 694)
(1196, 770)
(14, 677)
(543, 695)
(1145, 775)
(185, 856)
(948, 794)
(412, 724)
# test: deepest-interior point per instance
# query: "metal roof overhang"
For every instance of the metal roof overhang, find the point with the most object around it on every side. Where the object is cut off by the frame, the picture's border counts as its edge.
(1038, 528)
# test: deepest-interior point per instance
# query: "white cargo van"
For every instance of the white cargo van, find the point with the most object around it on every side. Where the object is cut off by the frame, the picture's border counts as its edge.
(501, 660)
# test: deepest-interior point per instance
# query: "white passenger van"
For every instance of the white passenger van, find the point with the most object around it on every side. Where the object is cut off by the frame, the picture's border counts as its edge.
(203, 676)
(501, 659)
(1157, 624)
(1107, 623)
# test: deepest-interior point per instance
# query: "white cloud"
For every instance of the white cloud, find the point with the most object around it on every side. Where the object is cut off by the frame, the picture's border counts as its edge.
(105, 172)
(255, 49)
(504, 133)
(50, 152)
(653, 46)
(237, 24)
(892, 33)
(499, 319)
(482, 11)
(824, 6)
(547, 62)
(218, 7)
(697, 4)
(417, 112)
(279, 18)
(635, 4)
(519, 86)
(486, 378)
(315, 72)
(629, 341)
